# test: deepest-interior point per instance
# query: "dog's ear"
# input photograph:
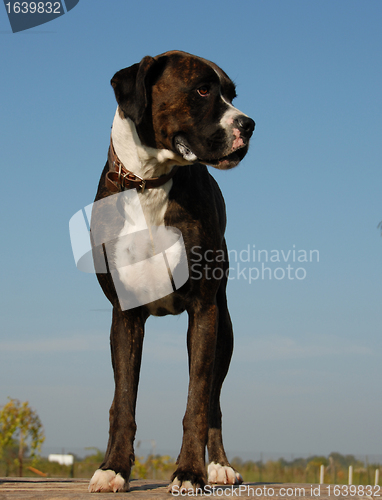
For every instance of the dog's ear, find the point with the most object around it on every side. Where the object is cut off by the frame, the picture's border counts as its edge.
(130, 87)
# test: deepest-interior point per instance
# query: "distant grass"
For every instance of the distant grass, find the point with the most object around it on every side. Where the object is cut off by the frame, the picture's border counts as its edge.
(161, 467)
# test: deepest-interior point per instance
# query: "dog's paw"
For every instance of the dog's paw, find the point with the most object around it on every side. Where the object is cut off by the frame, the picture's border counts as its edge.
(107, 480)
(178, 487)
(220, 474)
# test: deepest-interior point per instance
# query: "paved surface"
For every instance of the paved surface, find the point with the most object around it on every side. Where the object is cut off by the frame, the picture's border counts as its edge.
(76, 489)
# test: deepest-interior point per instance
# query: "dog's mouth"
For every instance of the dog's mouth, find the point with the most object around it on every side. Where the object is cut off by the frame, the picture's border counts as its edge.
(224, 163)
(229, 161)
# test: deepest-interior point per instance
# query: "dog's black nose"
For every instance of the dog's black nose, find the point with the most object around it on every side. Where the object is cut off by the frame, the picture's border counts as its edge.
(246, 125)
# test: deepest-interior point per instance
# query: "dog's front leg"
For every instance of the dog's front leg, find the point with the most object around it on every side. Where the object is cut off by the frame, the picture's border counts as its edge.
(126, 341)
(201, 343)
(219, 469)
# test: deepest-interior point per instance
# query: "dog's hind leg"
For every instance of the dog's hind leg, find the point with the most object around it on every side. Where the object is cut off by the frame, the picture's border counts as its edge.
(219, 469)
(126, 339)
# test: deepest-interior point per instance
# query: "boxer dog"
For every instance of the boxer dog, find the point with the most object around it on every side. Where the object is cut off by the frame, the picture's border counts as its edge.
(174, 116)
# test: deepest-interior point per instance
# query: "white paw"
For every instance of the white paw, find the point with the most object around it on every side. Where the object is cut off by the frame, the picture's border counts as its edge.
(219, 474)
(178, 487)
(107, 480)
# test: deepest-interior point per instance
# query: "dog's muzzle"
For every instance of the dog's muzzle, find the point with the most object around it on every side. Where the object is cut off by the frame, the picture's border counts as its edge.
(242, 130)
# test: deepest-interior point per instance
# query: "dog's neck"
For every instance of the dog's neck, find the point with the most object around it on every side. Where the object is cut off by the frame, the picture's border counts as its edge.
(142, 160)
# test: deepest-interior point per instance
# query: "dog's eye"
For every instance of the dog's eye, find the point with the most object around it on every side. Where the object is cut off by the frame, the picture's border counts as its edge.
(204, 91)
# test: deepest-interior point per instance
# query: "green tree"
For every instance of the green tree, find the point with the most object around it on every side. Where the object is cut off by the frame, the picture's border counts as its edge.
(18, 422)
(9, 455)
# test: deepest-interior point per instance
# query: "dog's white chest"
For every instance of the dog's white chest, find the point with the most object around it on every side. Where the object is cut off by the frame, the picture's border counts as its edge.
(149, 260)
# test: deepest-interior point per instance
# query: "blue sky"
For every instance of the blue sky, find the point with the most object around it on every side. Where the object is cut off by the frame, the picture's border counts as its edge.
(306, 372)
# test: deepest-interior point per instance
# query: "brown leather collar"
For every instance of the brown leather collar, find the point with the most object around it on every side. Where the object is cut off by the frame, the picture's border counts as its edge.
(119, 178)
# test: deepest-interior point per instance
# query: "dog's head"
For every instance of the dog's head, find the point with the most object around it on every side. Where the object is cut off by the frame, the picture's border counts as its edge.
(183, 103)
